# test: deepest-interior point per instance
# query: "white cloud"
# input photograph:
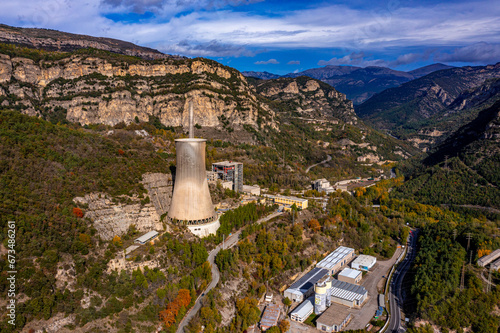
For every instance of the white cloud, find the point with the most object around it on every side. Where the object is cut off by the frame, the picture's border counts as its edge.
(270, 61)
(353, 59)
(481, 52)
(293, 62)
(176, 27)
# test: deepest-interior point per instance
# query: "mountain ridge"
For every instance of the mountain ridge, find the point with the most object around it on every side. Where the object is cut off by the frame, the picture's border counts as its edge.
(358, 83)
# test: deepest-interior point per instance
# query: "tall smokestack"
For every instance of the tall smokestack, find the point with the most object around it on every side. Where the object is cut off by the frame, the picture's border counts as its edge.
(191, 120)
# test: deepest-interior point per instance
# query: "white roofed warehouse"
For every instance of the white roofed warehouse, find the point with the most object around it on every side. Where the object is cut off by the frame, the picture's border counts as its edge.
(337, 259)
(147, 237)
(364, 262)
(350, 275)
(303, 311)
(304, 287)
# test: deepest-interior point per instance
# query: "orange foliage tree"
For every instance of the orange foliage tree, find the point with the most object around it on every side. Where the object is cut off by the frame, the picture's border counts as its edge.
(182, 300)
(314, 225)
(77, 212)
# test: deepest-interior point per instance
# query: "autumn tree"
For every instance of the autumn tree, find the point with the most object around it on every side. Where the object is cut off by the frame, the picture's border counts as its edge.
(284, 326)
(77, 212)
(314, 225)
(117, 241)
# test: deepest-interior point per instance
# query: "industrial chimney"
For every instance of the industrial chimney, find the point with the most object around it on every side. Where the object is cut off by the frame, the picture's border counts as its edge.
(191, 203)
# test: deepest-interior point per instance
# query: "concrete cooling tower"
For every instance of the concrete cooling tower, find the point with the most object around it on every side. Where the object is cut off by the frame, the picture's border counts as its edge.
(191, 203)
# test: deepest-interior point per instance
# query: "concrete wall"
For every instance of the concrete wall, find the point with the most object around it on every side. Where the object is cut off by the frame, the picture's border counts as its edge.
(204, 230)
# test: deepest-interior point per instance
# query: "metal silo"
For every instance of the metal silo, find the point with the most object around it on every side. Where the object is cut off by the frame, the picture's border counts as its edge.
(320, 291)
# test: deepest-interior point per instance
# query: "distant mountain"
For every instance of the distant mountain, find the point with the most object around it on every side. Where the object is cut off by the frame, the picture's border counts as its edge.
(462, 110)
(53, 40)
(409, 106)
(423, 71)
(357, 83)
(463, 170)
(261, 75)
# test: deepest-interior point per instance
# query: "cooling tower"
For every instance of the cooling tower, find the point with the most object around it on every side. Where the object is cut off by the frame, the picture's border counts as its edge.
(191, 202)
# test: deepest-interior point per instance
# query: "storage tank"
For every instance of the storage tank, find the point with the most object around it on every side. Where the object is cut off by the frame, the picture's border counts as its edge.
(320, 290)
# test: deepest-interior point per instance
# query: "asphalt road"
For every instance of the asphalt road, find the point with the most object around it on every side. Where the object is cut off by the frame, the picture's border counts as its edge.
(395, 295)
(228, 243)
(328, 158)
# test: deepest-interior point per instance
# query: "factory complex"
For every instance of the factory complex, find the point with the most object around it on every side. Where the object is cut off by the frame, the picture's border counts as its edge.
(331, 298)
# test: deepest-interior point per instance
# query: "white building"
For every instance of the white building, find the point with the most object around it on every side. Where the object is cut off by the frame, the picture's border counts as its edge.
(303, 311)
(337, 259)
(350, 275)
(252, 190)
(147, 237)
(364, 262)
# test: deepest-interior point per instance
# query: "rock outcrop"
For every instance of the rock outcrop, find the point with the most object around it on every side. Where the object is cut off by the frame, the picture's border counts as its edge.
(112, 218)
(109, 89)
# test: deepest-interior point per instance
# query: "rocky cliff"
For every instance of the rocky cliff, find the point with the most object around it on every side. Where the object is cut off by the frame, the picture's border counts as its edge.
(309, 97)
(100, 87)
(62, 41)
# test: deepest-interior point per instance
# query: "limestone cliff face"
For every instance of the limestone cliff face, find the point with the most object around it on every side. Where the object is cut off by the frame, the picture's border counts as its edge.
(112, 218)
(312, 98)
(109, 90)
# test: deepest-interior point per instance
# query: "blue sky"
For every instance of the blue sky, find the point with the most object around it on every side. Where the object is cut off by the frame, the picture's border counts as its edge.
(284, 36)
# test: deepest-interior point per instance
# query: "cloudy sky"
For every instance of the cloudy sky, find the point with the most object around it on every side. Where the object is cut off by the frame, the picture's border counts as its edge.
(284, 36)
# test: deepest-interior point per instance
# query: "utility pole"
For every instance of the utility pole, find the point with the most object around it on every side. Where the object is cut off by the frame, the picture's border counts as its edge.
(488, 286)
(462, 278)
(454, 234)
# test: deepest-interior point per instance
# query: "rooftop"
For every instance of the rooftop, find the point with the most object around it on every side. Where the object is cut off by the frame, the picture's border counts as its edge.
(333, 258)
(270, 316)
(309, 279)
(364, 260)
(227, 163)
(350, 273)
(334, 315)
(304, 308)
(347, 291)
(147, 236)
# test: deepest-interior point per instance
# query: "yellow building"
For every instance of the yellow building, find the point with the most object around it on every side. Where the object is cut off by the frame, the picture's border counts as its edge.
(289, 201)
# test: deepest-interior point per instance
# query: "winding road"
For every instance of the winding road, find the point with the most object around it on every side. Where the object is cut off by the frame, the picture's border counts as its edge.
(395, 295)
(328, 159)
(231, 241)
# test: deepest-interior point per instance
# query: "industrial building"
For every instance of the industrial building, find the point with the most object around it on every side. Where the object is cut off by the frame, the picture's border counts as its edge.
(335, 319)
(191, 203)
(212, 177)
(288, 201)
(495, 266)
(304, 287)
(347, 293)
(485, 260)
(229, 171)
(364, 262)
(329, 290)
(322, 185)
(303, 311)
(350, 275)
(252, 190)
(270, 317)
(337, 259)
(147, 237)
